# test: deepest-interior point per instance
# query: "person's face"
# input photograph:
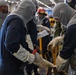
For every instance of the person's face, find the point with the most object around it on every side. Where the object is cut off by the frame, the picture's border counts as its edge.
(39, 14)
(4, 9)
(36, 8)
(33, 13)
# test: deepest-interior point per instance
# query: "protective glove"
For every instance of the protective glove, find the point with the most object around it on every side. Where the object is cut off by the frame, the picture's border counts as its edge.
(41, 27)
(42, 62)
(54, 42)
(60, 63)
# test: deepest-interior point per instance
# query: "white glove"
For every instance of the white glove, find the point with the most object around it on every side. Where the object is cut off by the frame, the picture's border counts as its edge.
(54, 42)
(42, 62)
(41, 27)
(60, 63)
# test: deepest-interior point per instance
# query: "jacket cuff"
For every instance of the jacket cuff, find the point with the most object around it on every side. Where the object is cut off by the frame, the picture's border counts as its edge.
(62, 59)
(24, 55)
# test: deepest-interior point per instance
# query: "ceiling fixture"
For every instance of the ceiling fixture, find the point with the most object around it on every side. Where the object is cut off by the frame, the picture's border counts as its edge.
(17, 2)
(6, 0)
(44, 4)
(53, 2)
(12, 2)
(9, 1)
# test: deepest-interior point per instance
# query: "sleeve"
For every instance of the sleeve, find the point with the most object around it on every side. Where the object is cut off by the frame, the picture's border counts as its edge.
(13, 35)
(13, 44)
(46, 22)
(33, 32)
(69, 42)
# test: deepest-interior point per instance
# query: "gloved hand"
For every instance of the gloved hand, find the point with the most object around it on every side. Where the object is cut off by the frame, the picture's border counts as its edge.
(42, 62)
(60, 63)
(41, 27)
(54, 42)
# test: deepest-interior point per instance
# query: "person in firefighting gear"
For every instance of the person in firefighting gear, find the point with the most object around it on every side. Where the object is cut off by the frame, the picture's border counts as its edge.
(58, 29)
(61, 29)
(32, 25)
(42, 20)
(13, 46)
(3, 11)
(68, 51)
(52, 21)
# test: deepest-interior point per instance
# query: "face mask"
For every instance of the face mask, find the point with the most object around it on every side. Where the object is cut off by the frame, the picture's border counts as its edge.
(41, 16)
(4, 9)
